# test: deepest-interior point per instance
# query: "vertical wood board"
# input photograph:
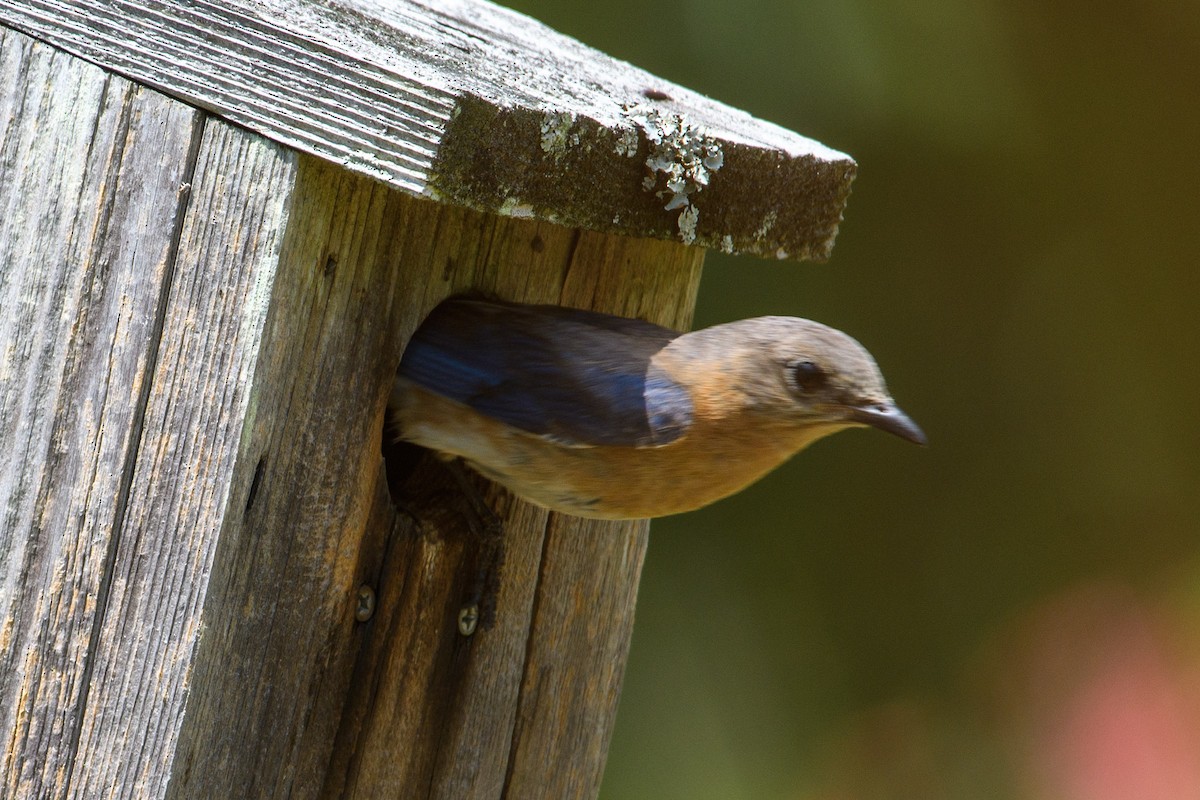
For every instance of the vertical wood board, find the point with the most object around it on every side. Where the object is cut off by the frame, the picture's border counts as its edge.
(91, 168)
(183, 486)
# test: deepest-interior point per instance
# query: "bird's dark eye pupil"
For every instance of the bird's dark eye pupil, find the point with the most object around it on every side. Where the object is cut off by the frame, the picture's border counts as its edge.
(808, 376)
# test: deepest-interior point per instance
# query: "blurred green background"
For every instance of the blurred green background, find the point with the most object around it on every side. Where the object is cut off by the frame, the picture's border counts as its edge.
(1013, 612)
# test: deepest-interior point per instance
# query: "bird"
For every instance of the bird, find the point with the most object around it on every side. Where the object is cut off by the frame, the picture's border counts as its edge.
(607, 417)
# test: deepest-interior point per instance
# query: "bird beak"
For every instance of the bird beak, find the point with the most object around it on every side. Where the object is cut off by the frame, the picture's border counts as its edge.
(887, 417)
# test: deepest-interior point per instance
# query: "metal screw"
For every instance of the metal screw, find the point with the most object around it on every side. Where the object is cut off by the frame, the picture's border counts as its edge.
(468, 618)
(366, 603)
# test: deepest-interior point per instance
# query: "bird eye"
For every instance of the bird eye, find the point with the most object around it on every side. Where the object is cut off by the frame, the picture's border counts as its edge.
(808, 377)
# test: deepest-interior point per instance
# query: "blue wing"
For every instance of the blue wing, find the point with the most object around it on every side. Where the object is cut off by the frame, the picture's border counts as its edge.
(579, 377)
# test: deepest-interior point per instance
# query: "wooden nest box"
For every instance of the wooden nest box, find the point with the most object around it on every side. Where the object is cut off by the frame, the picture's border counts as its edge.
(220, 223)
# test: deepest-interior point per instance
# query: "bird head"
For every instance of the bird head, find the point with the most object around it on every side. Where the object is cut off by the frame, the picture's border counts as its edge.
(809, 374)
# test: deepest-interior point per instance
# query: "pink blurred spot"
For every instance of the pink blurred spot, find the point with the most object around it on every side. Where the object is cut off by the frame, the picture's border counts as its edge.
(1113, 715)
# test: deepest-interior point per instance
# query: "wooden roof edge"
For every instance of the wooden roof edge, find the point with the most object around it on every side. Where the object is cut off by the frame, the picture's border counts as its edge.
(471, 103)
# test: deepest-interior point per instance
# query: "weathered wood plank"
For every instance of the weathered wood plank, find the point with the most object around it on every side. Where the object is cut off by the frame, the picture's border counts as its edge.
(473, 104)
(90, 173)
(584, 616)
(273, 670)
(184, 483)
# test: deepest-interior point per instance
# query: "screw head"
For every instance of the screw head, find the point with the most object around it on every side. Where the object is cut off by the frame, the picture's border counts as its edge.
(468, 619)
(365, 608)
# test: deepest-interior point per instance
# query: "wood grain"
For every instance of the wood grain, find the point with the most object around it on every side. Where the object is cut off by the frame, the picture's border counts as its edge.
(90, 173)
(185, 483)
(471, 103)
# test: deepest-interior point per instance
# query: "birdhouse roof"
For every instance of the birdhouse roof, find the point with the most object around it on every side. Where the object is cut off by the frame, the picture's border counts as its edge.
(466, 102)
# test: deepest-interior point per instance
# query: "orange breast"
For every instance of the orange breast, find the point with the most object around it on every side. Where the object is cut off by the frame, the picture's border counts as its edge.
(718, 456)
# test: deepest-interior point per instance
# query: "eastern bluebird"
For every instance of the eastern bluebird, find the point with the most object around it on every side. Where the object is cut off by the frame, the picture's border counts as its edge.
(613, 418)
